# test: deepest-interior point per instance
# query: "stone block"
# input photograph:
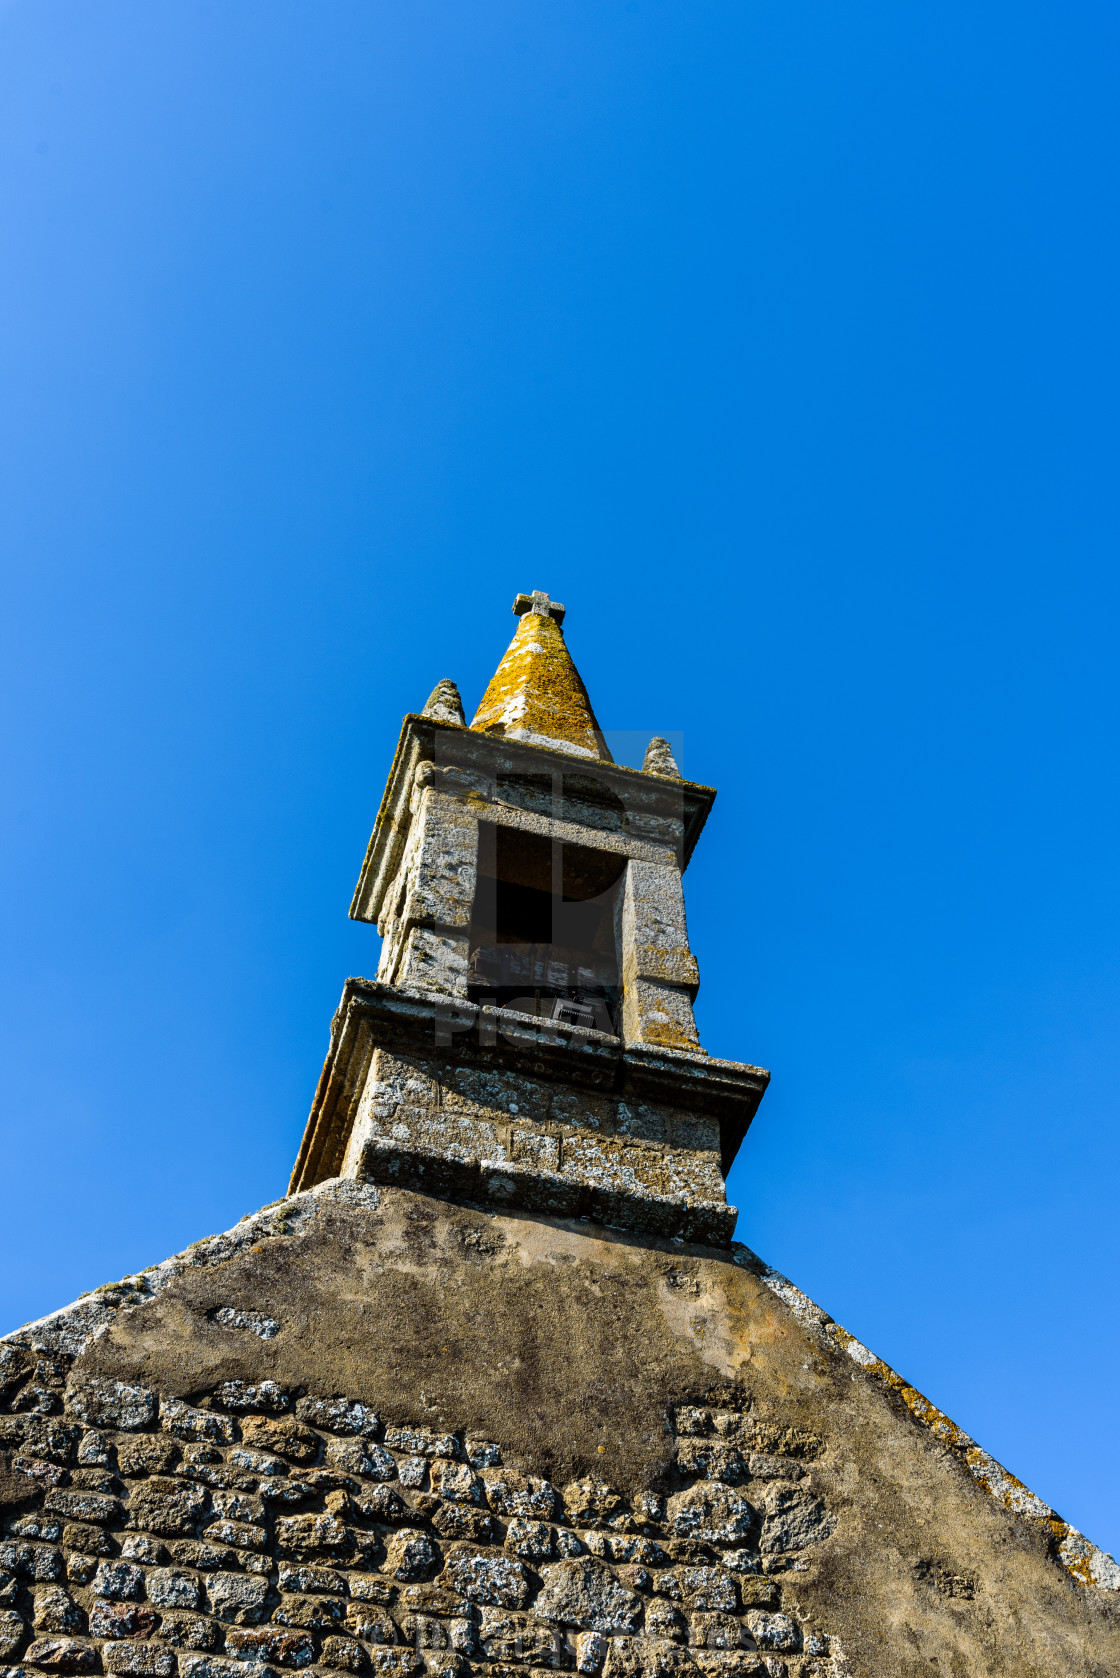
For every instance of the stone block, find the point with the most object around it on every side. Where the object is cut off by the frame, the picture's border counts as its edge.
(523, 1495)
(12, 1631)
(274, 1644)
(313, 1613)
(583, 1592)
(139, 1660)
(263, 1397)
(94, 1507)
(333, 1415)
(185, 1422)
(56, 1610)
(188, 1631)
(111, 1404)
(423, 1441)
(499, 1581)
(165, 1506)
(712, 1513)
(343, 1654)
(311, 1532)
(171, 1587)
(62, 1654)
(120, 1619)
(520, 1639)
(238, 1598)
(410, 1555)
(120, 1581)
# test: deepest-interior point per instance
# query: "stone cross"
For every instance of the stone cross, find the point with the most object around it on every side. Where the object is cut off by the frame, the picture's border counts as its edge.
(539, 603)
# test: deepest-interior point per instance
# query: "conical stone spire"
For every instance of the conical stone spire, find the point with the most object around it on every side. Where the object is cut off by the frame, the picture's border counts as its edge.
(536, 694)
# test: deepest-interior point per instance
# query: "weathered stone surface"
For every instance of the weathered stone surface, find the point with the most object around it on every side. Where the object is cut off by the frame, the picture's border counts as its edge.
(185, 1422)
(120, 1619)
(503, 1636)
(714, 1459)
(558, 1341)
(498, 1580)
(311, 1532)
(241, 1534)
(237, 1597)
(303, 1579)
(139, 1660)
(188, 1631)
(167, 1506)
(773, 1631)
(647, 1657)
(382, 1503)
(12, 1629)
(371, 1625)
(583, 1592)
(56, 1610)
(532, 1541)
(313, 1612)
(118, 1580)
(395, 1663)
(285, 1436)
(713, 1513)
(171, 1587)
(338, 1415)
(717, 1631)
(266, 1397)
(83, 1506)
(423, 1442)
(445, 704)
(523, 1495)
(793, 1518)
(410, 1554)
(273, 1644)
(665, 1620)
(62, 1654)
(343, 1654)
(710, 1588)
(457, 1481)
(111, 1404)
(34, 1562)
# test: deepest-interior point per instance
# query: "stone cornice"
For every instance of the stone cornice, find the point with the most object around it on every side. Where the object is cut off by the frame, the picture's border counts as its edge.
(373, 1014)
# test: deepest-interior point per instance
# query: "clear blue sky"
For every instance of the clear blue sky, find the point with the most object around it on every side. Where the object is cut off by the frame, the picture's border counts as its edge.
(779, 340)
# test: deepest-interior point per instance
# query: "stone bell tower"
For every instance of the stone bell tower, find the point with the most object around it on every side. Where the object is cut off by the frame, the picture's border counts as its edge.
(530, 1037)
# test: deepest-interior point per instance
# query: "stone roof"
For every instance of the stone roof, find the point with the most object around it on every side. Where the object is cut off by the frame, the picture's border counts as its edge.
(536, 694)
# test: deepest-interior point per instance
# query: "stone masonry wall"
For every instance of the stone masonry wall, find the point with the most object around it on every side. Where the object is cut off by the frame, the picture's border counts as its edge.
(259, 1527)
(485, 1113)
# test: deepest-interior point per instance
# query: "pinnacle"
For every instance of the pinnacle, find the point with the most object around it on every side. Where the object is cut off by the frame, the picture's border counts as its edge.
(659, 759)
(444, 703)
(536, 694)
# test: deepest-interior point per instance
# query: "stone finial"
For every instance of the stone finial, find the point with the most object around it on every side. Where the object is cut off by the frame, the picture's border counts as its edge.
(444, 704)
(659, 759)
(539, 603)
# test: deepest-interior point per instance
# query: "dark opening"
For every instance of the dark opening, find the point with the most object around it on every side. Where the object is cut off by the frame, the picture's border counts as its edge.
(543, 928)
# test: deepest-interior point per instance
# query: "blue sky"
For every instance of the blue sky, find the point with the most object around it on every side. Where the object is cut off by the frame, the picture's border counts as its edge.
(779, 341)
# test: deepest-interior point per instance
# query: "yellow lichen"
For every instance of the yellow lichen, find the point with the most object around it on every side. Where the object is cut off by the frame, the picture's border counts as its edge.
(536, 694)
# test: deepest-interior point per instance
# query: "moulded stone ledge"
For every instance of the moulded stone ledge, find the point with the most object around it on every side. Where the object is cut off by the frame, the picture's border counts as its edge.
(530, 1188)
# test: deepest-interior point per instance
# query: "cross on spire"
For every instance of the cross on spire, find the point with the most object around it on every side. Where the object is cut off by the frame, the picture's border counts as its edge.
(539, 603)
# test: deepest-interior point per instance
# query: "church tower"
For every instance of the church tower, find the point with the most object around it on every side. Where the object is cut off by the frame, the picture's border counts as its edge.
(530, 1038)
(492, 1392)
